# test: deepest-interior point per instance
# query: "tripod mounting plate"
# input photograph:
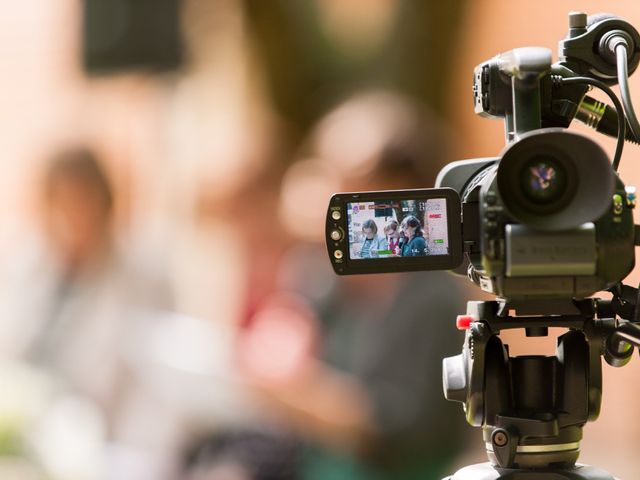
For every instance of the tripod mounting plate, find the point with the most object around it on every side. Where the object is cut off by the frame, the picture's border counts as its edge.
(485, 471)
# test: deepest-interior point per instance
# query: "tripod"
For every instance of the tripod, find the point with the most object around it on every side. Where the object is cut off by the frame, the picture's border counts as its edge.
(532, 408)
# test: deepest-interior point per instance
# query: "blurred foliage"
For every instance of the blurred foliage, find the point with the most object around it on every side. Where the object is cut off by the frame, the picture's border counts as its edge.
(308, 73)
(11, 441)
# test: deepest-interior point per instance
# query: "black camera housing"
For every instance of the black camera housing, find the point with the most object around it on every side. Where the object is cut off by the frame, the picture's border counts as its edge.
(518, 249)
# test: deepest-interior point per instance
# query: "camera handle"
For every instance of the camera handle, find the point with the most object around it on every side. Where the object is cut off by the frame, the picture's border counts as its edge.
(532, 408)
(523, 68)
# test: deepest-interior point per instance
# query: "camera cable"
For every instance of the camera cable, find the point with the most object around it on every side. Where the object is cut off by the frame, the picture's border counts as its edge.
(617, 105)
(623, 81)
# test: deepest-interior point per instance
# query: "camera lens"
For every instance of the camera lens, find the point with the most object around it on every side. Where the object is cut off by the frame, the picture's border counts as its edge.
(552, 179)
(543, 180)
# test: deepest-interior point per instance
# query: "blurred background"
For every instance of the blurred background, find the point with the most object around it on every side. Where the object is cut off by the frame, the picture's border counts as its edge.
(167, 310)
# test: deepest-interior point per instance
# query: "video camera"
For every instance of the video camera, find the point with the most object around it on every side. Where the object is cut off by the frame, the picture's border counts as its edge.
(543, 226)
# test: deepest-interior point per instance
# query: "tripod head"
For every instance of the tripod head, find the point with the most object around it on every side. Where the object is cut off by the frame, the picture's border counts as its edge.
(532, 408)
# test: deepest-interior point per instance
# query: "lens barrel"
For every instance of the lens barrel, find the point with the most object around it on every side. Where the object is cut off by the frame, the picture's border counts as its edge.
(553, 179)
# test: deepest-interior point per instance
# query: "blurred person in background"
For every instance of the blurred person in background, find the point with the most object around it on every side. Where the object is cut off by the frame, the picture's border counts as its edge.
(312, 55)
(73, 294)
(353, 364)
(316, 354)
(253, 447)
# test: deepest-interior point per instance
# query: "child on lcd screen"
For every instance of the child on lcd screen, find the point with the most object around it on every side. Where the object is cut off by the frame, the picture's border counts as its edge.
(393, 237)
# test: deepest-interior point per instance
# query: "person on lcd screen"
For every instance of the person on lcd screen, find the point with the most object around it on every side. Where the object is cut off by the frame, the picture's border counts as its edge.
(414, 245)
(392, 233)
(373, 242)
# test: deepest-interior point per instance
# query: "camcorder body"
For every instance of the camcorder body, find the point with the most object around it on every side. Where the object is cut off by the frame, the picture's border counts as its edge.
(549, 218)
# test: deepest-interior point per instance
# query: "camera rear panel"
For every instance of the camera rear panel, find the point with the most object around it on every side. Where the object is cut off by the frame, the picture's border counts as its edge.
(394, 231)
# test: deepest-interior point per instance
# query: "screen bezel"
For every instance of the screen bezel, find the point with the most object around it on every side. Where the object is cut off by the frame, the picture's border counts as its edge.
(348, 266)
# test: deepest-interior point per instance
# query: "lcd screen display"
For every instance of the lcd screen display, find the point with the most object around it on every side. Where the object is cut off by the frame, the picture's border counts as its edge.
(397, 228)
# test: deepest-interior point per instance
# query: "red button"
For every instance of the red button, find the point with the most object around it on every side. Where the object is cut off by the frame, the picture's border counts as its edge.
(463, 322)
